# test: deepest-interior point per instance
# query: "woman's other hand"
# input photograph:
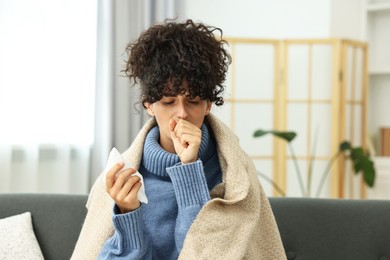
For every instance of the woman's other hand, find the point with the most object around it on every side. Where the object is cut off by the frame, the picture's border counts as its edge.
(123, 188)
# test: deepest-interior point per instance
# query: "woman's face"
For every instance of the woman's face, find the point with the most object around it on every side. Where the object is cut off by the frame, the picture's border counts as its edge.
(184, 107)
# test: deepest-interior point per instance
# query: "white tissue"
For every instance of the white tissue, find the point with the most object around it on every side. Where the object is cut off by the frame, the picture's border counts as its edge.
(114, 158)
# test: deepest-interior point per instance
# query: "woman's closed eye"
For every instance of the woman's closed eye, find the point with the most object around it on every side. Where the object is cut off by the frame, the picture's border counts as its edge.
(168, 102)
(194, 101)
(188, 100)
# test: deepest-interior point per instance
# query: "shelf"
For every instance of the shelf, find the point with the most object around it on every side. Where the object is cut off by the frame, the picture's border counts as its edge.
(376, 28)
(383, 163)
(375, 72)
(382, 180)
(378, 7)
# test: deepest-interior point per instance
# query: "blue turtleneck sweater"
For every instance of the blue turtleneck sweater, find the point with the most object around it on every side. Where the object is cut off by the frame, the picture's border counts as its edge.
(175, 192)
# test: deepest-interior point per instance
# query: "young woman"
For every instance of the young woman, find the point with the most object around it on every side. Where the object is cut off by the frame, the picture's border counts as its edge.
(204, 198)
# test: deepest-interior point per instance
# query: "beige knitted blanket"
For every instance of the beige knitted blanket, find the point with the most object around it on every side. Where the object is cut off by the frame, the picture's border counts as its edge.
(237, 223)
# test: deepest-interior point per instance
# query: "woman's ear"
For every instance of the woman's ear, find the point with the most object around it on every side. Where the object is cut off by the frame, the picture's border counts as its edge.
(149, 108)
(208, 108)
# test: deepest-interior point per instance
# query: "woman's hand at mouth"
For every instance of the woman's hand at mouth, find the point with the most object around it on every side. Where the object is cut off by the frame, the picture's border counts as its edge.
(186, 139)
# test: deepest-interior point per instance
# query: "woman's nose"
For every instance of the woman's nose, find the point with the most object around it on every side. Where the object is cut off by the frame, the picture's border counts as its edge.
(181, 111)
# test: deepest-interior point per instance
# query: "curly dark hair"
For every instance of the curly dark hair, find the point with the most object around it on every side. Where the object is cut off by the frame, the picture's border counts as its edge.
(172, 59)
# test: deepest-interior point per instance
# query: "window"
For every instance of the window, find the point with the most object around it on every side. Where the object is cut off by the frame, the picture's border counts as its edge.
(47, 71)
(47, 85)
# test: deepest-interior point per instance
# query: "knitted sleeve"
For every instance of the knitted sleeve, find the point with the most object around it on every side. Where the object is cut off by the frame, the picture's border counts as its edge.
(191, 192)
(129, 240)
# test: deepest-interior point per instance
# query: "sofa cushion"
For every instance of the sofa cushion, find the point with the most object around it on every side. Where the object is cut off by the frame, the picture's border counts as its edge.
(56, 218)
(18, 240)
(333, 228)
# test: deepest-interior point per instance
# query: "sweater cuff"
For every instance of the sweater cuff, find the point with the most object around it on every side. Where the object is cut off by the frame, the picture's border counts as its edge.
(189, 182)
(129, 228)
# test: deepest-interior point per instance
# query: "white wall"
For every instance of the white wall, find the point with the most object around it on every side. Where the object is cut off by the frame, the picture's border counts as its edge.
(280, 18)
(263, 18)
(347, 19)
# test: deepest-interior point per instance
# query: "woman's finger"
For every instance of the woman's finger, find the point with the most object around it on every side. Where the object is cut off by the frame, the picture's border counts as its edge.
(110, 176)
(128, 186)
(132, 195)
(122, 177)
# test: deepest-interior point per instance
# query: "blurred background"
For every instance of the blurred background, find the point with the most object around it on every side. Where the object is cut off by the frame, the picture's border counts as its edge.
(319, 68)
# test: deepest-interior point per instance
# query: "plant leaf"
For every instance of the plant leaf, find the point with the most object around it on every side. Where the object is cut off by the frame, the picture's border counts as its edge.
(287, 135)
(259, 133)
(369, 174)
(345, 146)
(363, 163)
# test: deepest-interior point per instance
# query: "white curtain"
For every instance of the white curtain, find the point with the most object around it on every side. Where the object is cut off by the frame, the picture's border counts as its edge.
(47, 85)
(56, 168)
(117, 121)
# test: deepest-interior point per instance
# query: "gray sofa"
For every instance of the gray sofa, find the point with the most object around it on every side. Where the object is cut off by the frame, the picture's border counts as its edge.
(311, 229)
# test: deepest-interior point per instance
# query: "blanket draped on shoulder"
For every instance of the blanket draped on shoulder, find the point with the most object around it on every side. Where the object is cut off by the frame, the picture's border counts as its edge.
(237, 223)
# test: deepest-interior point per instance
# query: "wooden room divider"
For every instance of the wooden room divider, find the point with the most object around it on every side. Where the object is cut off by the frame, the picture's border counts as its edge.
(315, 87)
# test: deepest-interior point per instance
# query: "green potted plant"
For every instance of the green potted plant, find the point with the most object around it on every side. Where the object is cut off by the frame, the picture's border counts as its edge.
(359, 157)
